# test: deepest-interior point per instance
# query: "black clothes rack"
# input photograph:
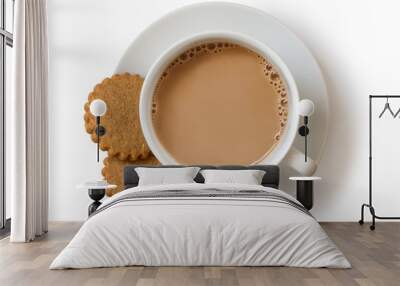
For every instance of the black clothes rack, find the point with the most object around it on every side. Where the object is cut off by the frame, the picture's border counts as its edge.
(370, 205)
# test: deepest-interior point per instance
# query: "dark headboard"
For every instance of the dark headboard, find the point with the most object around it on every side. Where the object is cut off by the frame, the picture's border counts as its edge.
(271, 177)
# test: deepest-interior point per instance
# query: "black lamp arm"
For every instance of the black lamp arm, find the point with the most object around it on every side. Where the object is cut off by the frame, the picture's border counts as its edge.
(304, 131)
(100, 131)
(305, 138)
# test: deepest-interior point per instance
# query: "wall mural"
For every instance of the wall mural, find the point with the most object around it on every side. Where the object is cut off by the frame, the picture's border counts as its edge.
(219, 92)
(124, 140)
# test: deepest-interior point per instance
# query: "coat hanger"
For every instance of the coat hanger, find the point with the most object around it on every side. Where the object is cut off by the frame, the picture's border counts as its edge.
(387, 107)
(397, 113)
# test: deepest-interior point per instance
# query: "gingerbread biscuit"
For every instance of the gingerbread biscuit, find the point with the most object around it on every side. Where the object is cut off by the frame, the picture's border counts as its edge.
(113, 170)
(123, 138)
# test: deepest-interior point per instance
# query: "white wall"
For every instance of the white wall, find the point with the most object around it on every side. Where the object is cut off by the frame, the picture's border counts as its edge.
(356, 43)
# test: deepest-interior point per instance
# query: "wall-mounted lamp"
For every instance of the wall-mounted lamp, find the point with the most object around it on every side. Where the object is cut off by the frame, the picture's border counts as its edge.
(98, 108)
(306, 109)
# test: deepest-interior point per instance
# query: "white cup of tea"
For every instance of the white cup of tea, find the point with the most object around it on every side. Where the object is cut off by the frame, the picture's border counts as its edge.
(283, 148)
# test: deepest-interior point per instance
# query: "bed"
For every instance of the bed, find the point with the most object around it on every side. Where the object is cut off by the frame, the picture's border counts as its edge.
(201, 224)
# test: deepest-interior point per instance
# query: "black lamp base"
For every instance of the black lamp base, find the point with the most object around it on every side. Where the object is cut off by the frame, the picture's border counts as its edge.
(100, 130)
(304, 130)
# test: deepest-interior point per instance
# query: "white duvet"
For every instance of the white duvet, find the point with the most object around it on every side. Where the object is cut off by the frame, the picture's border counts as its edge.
(200, 231)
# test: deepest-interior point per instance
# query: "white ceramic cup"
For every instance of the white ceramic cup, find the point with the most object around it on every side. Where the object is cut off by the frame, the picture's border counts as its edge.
(288, 135)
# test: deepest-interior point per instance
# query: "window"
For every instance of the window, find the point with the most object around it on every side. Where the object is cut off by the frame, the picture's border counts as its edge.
(6, 44)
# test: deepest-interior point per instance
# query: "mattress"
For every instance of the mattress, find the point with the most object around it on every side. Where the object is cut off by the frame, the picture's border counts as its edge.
(201, 225)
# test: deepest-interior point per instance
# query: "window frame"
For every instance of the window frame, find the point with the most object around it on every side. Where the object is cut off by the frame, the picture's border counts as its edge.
(6, 39)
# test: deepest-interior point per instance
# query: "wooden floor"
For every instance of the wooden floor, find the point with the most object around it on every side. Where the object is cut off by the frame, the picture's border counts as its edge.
(375, 257)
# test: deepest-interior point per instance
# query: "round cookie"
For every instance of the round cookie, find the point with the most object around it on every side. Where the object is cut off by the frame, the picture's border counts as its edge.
(113, 170)
(123, 138)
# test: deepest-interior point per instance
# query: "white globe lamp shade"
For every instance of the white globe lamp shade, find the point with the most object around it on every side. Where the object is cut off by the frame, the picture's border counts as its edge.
(306, 107)
(98, 107)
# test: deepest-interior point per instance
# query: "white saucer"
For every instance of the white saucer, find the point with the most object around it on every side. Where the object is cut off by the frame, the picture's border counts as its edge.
(191, 19)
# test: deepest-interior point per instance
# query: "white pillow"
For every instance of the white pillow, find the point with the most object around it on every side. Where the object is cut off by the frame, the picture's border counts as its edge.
(247, 177)
(162, 176)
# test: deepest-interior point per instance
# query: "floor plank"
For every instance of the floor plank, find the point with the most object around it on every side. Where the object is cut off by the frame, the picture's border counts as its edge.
(375, 256)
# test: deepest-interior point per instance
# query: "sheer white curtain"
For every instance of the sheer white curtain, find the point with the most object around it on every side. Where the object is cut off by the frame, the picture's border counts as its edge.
(28, 147)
